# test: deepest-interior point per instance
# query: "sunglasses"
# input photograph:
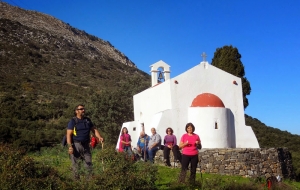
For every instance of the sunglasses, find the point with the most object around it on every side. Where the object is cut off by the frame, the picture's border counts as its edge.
(80, 109)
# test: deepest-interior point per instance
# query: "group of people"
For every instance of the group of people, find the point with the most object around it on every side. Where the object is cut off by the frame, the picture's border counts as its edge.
(79, 144)
(147, 147)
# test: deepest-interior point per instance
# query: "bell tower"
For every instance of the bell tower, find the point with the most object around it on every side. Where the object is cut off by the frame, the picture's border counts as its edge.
(157, 74)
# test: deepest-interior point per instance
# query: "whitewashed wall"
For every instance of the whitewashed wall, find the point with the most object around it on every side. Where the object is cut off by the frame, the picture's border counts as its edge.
(204, 120)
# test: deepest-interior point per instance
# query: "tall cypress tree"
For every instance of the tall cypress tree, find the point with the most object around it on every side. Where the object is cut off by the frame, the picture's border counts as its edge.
(228, 59)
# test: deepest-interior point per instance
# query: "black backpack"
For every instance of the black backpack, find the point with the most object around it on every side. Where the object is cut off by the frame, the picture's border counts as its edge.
(64, 140)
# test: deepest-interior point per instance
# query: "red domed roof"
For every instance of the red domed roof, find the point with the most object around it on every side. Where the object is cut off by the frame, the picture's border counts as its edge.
(207, 100)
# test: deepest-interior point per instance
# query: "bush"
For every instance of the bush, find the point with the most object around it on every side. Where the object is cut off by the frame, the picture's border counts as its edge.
(111, 169)
(18, 171)
(117, 171)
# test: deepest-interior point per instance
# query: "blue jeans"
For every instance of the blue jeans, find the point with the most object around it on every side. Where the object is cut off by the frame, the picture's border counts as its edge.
(127, 149)
(143, 152)
(151, 153)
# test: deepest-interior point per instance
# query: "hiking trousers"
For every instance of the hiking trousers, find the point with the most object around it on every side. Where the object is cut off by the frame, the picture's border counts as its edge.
(186, 160)
(176, 154)
(81, 151)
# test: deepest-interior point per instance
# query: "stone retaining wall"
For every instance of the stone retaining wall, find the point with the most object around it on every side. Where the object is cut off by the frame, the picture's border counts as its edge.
(248, 162)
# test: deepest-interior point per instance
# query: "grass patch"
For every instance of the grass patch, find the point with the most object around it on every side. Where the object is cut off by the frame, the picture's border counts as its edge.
(168, 179)
(164, 178)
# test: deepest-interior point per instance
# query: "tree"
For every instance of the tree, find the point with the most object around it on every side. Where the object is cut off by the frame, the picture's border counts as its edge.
(228, 59)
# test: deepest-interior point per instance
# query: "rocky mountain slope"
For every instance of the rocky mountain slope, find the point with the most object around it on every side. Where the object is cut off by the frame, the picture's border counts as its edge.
(44, 56)
(91, 46)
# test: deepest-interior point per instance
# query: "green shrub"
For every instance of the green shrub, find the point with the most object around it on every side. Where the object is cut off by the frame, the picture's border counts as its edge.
(111, 169)
(115, 170)
(19, 171)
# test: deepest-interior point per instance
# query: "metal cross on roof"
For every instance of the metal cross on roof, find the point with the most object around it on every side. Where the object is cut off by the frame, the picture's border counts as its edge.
(203, 55)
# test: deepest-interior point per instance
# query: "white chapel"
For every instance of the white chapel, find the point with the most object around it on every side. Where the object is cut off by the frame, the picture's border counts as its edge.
(205, 95)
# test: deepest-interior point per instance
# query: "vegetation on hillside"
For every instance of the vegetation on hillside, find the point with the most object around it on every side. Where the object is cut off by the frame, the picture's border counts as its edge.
(271, 137)
(111, 109)
(32, 125)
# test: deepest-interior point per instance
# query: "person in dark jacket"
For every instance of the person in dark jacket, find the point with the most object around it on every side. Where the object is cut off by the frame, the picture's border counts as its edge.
(78, 139)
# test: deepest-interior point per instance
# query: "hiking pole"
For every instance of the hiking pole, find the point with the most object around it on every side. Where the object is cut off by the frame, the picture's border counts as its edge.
(145, 152)
(145, 148)
(173, 158)
(132, 153)
(199, 162)
(102, 144)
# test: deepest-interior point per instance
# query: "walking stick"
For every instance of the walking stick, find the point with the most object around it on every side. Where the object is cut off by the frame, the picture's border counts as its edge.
(199, 162)
(144, 152)
(174, 158)
(102, 144)
(145, 148)
(145, 140)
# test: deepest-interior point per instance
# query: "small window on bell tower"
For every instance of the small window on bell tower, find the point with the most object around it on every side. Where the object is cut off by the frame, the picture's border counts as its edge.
(216, 125)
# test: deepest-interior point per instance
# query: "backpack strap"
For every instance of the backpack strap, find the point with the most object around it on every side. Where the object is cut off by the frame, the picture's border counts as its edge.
(76, 122)
(64, 141)
(75, 126)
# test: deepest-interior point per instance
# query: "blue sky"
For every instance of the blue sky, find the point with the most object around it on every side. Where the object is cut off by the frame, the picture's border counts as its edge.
(266, 33)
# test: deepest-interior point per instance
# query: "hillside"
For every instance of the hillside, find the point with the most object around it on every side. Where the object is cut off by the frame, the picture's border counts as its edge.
(271, 137)
(33, 43)
(48, 66)
(43, 57)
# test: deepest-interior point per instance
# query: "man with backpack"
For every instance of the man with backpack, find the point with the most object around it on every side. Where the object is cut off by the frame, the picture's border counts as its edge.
(78, 139)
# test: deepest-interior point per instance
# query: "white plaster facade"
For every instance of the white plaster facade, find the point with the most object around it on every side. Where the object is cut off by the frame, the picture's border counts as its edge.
(168, 104)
